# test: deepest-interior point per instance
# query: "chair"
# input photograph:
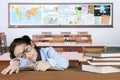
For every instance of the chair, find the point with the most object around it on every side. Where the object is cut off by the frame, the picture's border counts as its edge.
(3, 43)
(60, 50)
(57, 39)
(37, 38)
(73, 38)
(58, 36)
(66, 34)
(84, 39)
(82, 33)
(46, 33)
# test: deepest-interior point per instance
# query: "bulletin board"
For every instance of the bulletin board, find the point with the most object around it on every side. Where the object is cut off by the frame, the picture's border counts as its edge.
(60, 15)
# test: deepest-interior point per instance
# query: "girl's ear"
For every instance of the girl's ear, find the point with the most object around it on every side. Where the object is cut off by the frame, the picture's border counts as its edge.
(32, 44)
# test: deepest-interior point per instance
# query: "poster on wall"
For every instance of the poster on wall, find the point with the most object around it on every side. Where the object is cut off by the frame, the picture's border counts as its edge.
(60, 15)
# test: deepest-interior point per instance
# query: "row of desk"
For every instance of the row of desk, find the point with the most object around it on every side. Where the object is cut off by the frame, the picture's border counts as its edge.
(74, 47)
(67, 38)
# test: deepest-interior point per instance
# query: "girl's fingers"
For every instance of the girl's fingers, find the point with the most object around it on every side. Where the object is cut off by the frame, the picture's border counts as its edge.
(11, 71)
(3, 71)
(38, 67)
(35, 67)
(17, 70)
(6, 71)
(41, 66)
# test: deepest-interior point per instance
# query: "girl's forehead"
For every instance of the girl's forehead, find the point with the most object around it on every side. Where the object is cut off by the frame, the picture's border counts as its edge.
(19, 48)
(20, 45)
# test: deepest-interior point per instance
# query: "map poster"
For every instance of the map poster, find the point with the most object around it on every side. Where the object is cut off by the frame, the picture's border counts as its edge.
(31, 15)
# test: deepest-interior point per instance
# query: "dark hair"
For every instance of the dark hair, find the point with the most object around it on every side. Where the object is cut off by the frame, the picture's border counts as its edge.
(22, 40)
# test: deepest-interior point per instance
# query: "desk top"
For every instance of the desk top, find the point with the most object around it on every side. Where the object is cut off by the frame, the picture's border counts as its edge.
(73, 73)
(67, 44)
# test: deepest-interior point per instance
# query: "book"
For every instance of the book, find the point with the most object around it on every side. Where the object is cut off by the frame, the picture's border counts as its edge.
(100, 69)
(102, 54)
(29, 66)
(56, 69)
(103, 62)
(106, 59)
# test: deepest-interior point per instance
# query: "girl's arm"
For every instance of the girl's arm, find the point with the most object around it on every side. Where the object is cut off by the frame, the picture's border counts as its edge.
(23, 62)
(15, 65)
(55, 59)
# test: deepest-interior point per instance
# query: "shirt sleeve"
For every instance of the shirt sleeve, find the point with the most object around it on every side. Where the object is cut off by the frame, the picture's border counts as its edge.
(55, 59)
(23, 62)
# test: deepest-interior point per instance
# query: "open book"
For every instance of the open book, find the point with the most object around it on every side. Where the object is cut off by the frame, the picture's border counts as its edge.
(30, 66)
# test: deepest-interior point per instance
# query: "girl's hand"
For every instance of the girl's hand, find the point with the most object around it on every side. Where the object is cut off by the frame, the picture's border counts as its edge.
(13, 67)
(42, 65)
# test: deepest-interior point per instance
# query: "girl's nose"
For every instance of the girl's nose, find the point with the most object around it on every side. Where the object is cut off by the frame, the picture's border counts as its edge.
(29, 56)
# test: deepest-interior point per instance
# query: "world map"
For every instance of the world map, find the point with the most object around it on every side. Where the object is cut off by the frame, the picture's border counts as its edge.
(25, 15)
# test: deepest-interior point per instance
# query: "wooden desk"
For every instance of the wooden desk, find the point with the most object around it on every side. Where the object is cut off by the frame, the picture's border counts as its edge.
(74, 47)
(67, 38)
(73, 73)
(47, 35)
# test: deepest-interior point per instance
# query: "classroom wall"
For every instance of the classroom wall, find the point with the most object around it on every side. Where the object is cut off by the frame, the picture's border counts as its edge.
(106, 36)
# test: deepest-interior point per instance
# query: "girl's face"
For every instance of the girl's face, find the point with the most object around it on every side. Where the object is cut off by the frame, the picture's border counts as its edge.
(26, 51)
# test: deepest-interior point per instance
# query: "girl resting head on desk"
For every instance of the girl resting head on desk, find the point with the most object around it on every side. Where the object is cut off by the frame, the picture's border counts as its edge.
(24, 52)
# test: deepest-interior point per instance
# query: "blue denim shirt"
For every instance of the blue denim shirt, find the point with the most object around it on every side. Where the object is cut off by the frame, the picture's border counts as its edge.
(48, 54)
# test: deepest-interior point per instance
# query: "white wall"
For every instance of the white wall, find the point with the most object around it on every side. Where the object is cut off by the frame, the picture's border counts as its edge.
(107, 36)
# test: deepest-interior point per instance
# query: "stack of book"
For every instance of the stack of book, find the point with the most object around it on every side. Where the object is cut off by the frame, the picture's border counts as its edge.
(102, 63)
